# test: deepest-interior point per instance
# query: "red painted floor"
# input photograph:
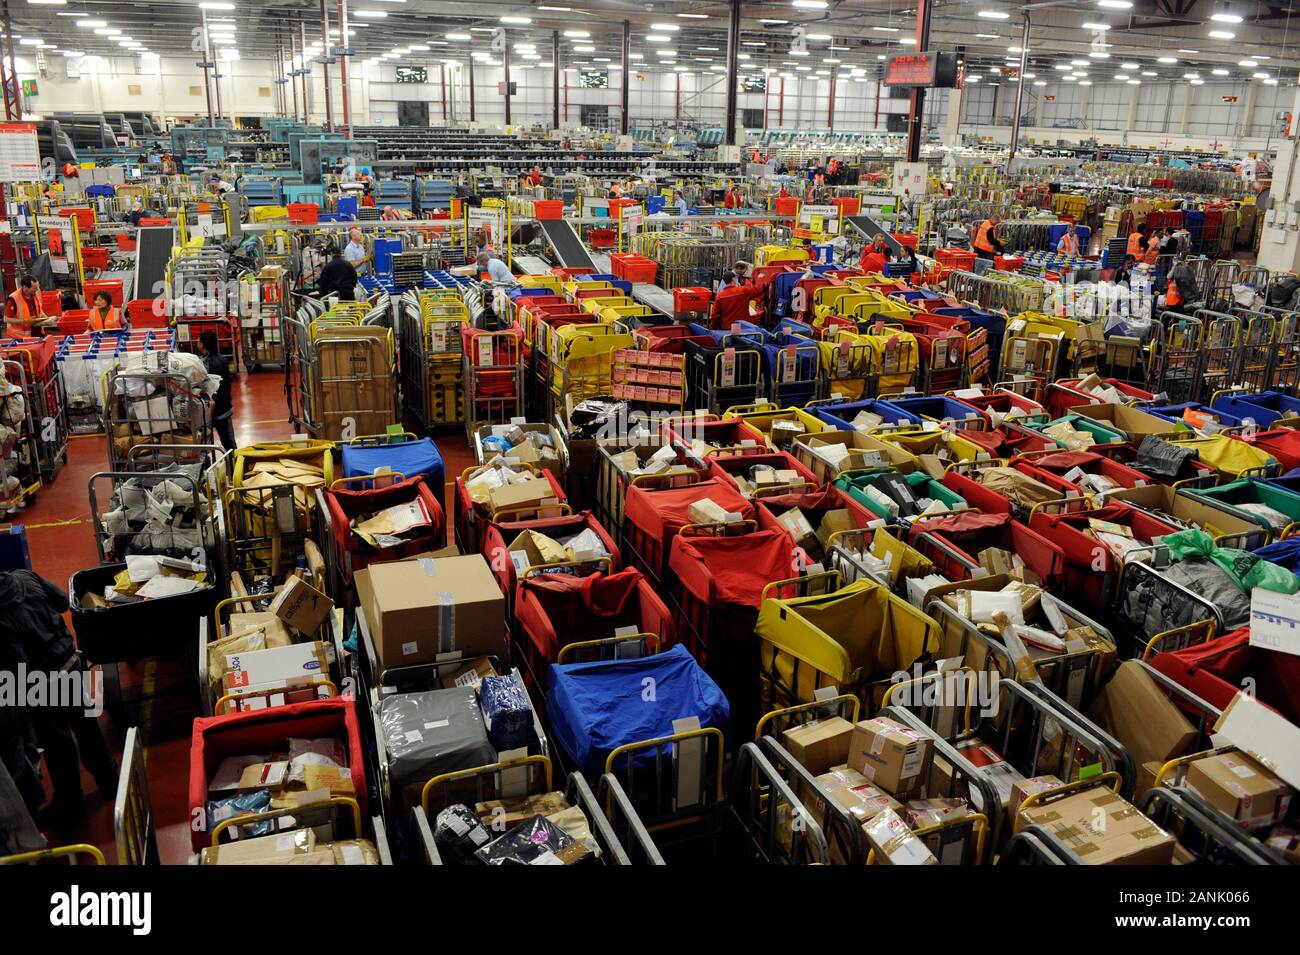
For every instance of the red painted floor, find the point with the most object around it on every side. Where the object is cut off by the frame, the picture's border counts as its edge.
(61, 540)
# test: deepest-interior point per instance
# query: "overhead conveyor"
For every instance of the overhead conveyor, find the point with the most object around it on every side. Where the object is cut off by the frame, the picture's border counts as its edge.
(870, 228)
(566, 244)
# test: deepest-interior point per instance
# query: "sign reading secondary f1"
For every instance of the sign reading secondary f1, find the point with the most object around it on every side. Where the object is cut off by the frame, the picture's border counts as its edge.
(922, 69)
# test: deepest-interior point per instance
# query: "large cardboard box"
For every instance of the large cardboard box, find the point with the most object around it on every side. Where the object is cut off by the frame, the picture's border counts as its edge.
(277, 668)
(1103, 829)
(1134, 710)
(819, 745)
(894, 842)
(891, 756)
(1137, 424)
(419, 609)
(524, 494)
(1239, 787)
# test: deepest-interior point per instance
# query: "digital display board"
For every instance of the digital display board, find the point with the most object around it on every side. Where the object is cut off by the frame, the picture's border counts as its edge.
(753, 84)
(920, 70)
(412, 74)
(593, 79)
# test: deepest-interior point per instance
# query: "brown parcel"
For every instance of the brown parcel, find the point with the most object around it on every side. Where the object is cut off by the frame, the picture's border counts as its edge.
(819, 745)
(531, 493)
(301, 606)
(418, 609)
(1103, 829)
(1135, 711)
(891, 756)
(894, 843)
(1022, 789)
(1240, 787)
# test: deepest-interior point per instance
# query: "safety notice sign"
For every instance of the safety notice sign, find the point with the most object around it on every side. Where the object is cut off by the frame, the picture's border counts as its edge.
(20, 159)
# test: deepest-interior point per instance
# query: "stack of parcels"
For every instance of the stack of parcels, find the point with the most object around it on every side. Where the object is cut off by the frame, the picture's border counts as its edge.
(263, 476)
(1070, 436)
(783, 431)
(496, 486)
(853, 451)
(161, 415)
(1118, 539)
(1241, 788)
(643, 460)
(480, 718)
(518, 443)
(1003, 607)
(765, 480)
(302, 777)
(902, 495)
(150, 578)
(296, 847)
(816, 542)
(157, 516)
(1015, 485)
(708, 511)
(867, 421)
(394, 525)
(534, 830)
(276, 676)
(535, 549)
(878, 770)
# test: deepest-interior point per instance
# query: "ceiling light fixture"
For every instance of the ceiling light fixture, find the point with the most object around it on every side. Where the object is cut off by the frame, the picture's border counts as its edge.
(993, 15)
(1222, 35)
(1225, 18)
(518, 20)
(1115, 4)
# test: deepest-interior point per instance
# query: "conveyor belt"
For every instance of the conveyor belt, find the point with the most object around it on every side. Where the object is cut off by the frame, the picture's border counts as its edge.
(153, 250)
(566, 244)
(652, 295)
(530, 265)
(870, 228)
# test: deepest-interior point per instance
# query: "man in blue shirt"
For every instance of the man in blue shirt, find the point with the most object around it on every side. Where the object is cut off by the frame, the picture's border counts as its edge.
(355, 251)
(497, 270)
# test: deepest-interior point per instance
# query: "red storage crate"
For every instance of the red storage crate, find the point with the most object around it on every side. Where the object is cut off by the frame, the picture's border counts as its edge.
(601, 238)
(112, 286)
(569, 272)
(548, 209)
(125, 243)
(691, 299)
(1008, 263)
(157, 221)
(94, 256)
(960, 259)
(634, 268)
(303, 213)
(906, 239)
(147, 313)
(85, 217)
(74, 321)
(787, 206)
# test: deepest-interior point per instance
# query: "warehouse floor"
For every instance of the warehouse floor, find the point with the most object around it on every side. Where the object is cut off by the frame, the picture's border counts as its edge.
(61, 540)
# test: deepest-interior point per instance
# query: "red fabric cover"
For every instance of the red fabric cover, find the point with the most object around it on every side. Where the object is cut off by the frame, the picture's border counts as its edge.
(814, 505)
(999, 401)
(730, 431)
(213, 738)
(1282, 443)
(350, 502)
(1000, 443)
(1066, 531)
(1214, 671)
(962, 523)
(1064, 460)
(976, 495)
(972, 532)
(588, 608)
(731, 570)
(662, 512)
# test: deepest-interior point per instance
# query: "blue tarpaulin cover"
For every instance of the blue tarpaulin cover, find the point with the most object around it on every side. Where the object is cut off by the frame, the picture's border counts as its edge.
(409, 458)
(597, 707)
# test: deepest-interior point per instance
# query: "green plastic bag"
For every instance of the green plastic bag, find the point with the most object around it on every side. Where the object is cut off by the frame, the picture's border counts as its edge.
(1246, 570)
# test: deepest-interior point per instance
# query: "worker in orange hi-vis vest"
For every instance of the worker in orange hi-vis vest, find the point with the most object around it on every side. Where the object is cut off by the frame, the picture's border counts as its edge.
(23, 309)
(103, 316)
(1069, 242)
(986, 242)
(1137, 242)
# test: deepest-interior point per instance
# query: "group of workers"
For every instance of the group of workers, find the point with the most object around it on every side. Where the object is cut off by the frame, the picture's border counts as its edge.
(25, 309)
(1147, 245)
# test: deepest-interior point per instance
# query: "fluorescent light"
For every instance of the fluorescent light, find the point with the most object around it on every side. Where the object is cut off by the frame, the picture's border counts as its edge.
(803, 69)
(584, 49)
(665, 52)
(693, 16)
(29, 41)
(1115, 4)
(1085, 82)
(1270, 82)
(657, 38)
(775, 23)
(1031, 76)
(1191, 76)
(1150, 73)
(1190, 52)
(458, 36)
(576, 34)
(804, 53)
(635, 56)
(740, 56)
(600, 59)
(885, 29)
(907, 41)
(821, 37)
(92, 24)
(972, 79)
(1039, 83)
(707, 49)
(73, 13)
(221, 41)
(108, 31)
(1063, 67)
(370, 14)
(752, 43)
(532, 56)
(809, 4)
(557, 9)
(667, 27)
(1222, 35)
(216, 6)
(1247, 63)
(987, 36)
(516, 19)
(994, 15)
(1096, 26)
(1134, 82)
(1167, 59)
(1122, 66)
(1220, 72)
(1098, 55)
(1258, 76)
(48, 3)
(1225, 18)
(1122, 77)
(1260, 56)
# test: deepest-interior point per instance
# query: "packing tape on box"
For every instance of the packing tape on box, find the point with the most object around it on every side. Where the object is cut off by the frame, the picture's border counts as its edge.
(447, 623)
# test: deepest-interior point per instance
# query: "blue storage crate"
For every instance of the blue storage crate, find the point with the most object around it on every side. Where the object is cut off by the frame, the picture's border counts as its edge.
(14, 554)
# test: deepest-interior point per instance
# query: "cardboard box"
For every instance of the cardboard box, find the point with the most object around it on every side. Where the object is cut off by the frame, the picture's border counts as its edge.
(532, 493)
(1134, 710)
(532, 549)
(1022, 789)
(418, 609)
(469, 674)
(301, 605)
(832, 522)
(270, 775)
(1264, 733)
(277, 849)
(1103, 829)
(801, 531)
(1146, 777)
(890, 755)
(990, 764)
(1240, 788)
(894, 842)
(1136, 424)
(819, 745)
(707, 511)
(277, 668)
